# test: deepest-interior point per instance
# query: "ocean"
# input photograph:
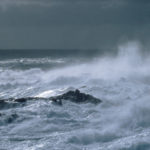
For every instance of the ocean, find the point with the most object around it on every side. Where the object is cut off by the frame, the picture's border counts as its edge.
(120, 78)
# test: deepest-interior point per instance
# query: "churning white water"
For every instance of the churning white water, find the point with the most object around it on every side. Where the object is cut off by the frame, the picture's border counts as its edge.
(120, 122)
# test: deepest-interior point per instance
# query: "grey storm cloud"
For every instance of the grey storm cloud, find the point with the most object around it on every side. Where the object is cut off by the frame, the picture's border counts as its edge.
(72, 23)
(57, 2)
(8, 3)
(71, 12)
(49, 3)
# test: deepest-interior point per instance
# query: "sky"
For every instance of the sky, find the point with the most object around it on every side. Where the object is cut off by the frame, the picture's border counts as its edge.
(73, 24)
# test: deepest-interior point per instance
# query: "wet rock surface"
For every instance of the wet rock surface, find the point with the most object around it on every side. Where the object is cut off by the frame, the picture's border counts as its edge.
(73, 96)
(77, 97)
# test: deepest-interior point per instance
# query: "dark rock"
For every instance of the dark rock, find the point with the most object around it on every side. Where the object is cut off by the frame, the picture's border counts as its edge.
(56, 101)
(74, 96)
(8, 103)
(22, 100)
(77, 97)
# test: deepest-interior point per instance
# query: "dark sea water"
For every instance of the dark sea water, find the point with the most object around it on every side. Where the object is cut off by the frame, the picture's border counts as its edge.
(121, 78)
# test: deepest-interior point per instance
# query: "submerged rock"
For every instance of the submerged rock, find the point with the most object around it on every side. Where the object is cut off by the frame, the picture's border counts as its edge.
(2, 103)
(9, 103)
(7, 118)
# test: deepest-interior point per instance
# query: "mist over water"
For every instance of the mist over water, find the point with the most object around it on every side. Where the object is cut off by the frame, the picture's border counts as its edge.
(121, 80)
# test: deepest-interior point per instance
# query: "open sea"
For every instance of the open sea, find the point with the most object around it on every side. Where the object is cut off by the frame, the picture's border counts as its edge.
(120, 78)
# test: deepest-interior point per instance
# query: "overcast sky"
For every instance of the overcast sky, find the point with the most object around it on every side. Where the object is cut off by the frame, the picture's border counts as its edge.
(71, 24)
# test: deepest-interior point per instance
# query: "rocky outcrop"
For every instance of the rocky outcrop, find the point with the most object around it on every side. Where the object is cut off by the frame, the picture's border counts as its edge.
(77, 97)
(73, 96)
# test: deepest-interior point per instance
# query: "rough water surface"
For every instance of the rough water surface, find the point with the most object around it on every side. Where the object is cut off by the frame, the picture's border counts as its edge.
(120, 122)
